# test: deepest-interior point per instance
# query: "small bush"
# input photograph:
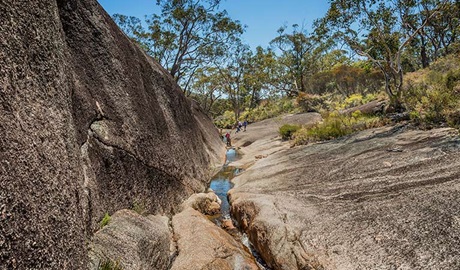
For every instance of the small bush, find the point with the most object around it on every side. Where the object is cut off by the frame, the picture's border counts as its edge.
(309, 102)
(266, 109)
(105, 220)
(353, 100)
(269, 109)
(338, 102)
(433, 99)
(286, 131)
(109, 265)
(227, 120)
(335, 125)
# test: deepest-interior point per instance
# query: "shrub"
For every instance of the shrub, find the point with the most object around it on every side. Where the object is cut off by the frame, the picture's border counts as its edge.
(353, 100)
(309, 102)
(109, 265)
(266, 109)
(287, 130)
(227, 120)
(432, 97)
(105, 220)
(335, 125)
(338, 102)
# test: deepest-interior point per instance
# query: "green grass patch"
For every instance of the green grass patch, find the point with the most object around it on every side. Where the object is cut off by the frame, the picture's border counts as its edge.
(105, 220)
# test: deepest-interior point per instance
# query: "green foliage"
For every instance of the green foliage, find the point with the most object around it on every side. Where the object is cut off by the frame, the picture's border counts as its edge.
(269, 109)
(185, 35)
(432, 95)
(287, 130)
(266, 109)
(227, 120)
(338, 102)
(393, 29)
(335, 125)
(357, 100)
(354, 100)
(109, 265)
(105, 220)
(297, 56)
(309, 102)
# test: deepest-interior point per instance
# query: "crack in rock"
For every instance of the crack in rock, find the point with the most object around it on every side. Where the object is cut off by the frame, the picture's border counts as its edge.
(174, 249)
(94, 134)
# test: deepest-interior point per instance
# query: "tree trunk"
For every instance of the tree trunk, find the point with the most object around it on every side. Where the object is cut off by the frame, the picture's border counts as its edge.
(423, 53)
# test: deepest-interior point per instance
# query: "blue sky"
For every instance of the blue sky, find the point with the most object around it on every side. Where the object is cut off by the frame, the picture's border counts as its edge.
(262, 17)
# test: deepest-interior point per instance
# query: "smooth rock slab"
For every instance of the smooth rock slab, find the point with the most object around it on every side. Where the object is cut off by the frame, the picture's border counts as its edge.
(387, 198)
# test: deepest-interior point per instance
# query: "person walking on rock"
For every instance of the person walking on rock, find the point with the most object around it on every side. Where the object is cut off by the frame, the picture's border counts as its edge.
(229, 142)
(245, 124)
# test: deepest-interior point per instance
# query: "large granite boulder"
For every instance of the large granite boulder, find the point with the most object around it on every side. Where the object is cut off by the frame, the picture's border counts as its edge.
(386, 198)
(203, 245)
(132, 241)
(89, 124)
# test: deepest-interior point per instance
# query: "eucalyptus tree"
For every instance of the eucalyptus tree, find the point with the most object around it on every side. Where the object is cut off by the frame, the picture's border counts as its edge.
(208, 89)
(378, 30)
(444, 29)
(186, 36)
(440, 32)
(230, 71)
(258, 75)
(296, 56)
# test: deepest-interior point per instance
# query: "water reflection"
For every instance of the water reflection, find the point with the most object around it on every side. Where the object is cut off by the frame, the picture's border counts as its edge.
(232, 155)
(221, 185)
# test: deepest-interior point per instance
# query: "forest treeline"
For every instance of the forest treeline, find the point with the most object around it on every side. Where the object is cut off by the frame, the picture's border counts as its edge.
(358, 50)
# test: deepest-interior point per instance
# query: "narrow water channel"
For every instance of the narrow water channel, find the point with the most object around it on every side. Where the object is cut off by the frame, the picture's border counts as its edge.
(221, 184)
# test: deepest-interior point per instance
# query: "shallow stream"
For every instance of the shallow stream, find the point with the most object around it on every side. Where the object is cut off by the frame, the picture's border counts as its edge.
(221, 184)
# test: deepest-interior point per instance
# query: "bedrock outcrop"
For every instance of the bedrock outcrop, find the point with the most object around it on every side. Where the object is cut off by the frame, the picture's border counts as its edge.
(201, 244)
(386, 198)
(132, 241)
(89, 124)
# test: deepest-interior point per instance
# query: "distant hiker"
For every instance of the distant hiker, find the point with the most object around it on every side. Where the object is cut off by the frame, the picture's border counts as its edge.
(245, 124)
(238, 126)
(229, 141)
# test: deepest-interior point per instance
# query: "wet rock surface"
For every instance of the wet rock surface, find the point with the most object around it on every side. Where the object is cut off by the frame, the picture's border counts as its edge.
(386, 198)
(89, 124)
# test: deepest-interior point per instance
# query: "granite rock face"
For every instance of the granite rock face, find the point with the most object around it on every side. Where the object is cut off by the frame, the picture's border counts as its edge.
(203, 245)
(386, 198)
(88, 124)
(133, 241)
